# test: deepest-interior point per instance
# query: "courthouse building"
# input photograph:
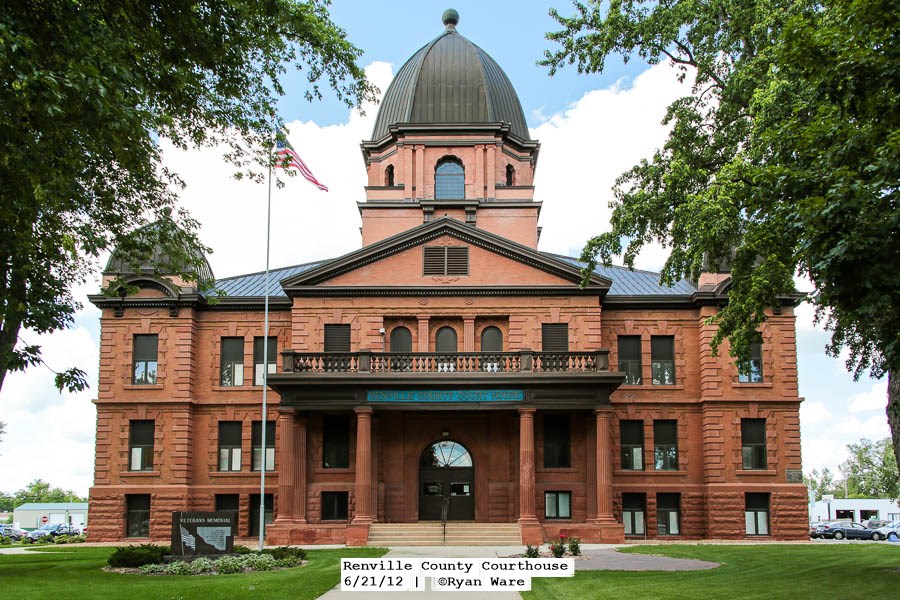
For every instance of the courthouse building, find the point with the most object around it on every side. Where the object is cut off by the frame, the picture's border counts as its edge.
(448, 370)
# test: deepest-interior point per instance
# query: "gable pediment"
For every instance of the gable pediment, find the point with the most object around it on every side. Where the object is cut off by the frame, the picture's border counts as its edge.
(396, 264)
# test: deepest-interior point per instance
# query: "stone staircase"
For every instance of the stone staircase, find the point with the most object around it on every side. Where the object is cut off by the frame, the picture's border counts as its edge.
(429, 533)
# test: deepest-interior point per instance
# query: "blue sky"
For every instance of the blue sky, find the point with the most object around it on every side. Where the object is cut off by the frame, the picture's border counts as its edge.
(591, 129)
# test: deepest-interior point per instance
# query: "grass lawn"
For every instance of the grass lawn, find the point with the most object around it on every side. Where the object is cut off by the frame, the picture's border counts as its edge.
(777, 571)
(70, 573)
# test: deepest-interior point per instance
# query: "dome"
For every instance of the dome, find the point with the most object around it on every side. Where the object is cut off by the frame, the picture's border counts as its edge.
(450, 80)
(148, 241)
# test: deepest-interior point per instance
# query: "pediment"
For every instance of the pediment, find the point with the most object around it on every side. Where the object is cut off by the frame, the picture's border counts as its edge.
(396, 263)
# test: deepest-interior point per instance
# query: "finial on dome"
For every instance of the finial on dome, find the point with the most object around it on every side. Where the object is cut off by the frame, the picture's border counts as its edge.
(450, 18)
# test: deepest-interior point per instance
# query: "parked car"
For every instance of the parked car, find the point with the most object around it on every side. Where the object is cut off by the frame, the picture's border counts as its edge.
(53, 529)
(12, 532)
(844, 529)
(890, 533)
(813, 533)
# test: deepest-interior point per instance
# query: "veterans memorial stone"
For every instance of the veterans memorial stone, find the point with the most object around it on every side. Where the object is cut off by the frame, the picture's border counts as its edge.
(203, 533)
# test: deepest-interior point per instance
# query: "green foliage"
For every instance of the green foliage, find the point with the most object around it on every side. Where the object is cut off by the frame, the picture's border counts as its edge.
(532, 551)
(202, 565)
(137, 556)
(69, 539)
(558, 548)
(781, 158)
(575, 546)
(870, 471)
(286, 552)
(231, 564)
(89, 89)
(38, 491)
(5, 541)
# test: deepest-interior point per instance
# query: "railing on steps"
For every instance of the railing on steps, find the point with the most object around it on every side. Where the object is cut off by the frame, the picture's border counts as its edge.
(445, 508)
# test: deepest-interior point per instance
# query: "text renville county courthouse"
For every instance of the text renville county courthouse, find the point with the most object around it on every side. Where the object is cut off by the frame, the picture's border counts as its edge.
(447, 369)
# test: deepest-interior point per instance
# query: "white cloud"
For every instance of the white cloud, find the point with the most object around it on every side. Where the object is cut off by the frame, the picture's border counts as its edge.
(585, 148)
(874, 399)
(814, 412)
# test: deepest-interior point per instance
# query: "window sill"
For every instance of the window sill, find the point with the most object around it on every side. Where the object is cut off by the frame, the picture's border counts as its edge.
(668, 472)
(630, 472)
(233, 388)
(232, 473)
(143, 386)
(556, 470)
(140, 474)
(748, 384)
(764, 472)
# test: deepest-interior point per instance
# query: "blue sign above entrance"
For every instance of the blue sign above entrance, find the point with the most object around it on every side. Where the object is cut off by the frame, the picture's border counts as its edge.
(448, 396)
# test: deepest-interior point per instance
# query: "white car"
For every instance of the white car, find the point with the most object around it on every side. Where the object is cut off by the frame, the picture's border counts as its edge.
(890, 533)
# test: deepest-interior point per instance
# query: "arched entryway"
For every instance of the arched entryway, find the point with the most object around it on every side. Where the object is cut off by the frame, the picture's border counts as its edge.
(446, 474)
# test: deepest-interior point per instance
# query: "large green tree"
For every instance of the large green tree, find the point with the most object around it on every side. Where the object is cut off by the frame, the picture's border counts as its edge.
(781, 159)
(88, 88)
(38, 491)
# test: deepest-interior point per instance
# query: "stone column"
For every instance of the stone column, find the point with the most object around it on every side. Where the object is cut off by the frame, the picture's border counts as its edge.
(363, 465)
(300, 427)
(604, 467)
(287, 466)
(526, 467)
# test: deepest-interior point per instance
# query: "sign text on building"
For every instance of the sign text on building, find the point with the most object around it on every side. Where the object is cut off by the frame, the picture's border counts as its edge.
(448, 396)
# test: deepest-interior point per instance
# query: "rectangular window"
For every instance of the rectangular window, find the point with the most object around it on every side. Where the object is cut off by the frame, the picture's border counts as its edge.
(140, 441)
(630, 358)
(756, 514)
(662, 356)
(256, 441)
(334, 506)
(667, 514)
(337, 338)
(557, 441)
(753, 443)
(145, 359)
(665, 445)
(446, 260)
(229, 502)
(555, 337)
(230, 445)
(336, 442)
(232, 361)
(632, 444)
(272, 358)
(752, 371)
(254, 513)
(137, 515)
(634, 513)
(557, 505)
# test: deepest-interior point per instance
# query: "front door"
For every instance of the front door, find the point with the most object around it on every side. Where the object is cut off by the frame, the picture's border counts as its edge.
(446, 478)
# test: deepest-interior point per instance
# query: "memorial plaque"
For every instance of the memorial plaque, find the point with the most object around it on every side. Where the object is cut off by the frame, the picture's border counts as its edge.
(794, 476)
(203, 533)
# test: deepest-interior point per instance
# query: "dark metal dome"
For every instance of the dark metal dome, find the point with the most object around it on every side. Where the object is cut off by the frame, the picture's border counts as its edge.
(147, 244)
(450, 80)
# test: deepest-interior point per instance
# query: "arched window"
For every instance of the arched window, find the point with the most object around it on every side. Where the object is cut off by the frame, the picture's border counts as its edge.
(491, 340)
(449, 180)
(445, 340)
(447, 454)
(401, 340)
(510, 175)
(389, 176)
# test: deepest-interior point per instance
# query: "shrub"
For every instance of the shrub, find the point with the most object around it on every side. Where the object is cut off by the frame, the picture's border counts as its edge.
(286, 563)
(575, 546)
(244, 550)
(179, 567)
(70, 539)
(153, 569)
(258, 562)
(558, 548)
(229, 564)
(286, 552)
(5, 541)
(202, 565)
(137, 556)
(531, 551)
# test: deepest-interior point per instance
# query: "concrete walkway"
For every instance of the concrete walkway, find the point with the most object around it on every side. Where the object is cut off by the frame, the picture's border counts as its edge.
(598, 557)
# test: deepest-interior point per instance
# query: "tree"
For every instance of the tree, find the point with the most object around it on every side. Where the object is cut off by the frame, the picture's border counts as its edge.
(41, 491)
(822, 483)
(781, 159)
(87, 90)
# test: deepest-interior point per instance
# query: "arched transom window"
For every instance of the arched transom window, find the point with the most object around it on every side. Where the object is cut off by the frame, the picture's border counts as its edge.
(449, 180)
(446, 453)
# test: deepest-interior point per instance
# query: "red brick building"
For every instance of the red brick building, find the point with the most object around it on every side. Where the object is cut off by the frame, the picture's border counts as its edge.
(447, 368)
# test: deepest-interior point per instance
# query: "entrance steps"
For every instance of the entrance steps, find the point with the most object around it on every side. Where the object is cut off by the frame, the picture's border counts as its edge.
(429, 533)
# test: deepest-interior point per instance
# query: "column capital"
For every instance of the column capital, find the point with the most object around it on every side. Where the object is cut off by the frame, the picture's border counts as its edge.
(363, 411)
(604, 411)
(527, 411)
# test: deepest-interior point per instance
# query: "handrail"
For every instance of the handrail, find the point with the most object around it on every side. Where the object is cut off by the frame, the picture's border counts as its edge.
(445, 508)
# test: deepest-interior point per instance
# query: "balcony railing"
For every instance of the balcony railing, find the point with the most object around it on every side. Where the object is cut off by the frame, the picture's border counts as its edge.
(366, 361)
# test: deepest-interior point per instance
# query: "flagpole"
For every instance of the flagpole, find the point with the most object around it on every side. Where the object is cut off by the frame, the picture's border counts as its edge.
(262, 471)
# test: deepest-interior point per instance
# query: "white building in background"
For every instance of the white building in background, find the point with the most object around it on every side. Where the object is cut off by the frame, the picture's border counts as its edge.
(34, 514)
(854, 509)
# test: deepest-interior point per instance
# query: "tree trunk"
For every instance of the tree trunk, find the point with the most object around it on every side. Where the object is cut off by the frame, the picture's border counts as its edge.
(893, 411)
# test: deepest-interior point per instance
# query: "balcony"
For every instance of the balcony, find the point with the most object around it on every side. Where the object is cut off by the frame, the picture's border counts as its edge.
(524, 361)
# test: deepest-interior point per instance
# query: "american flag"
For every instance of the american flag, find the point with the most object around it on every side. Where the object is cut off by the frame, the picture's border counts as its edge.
(288, 157)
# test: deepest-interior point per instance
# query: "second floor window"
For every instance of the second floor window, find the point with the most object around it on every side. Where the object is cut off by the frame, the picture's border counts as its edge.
(337, 337)
(230, 445)
(630, 358)
(258, 371)
(557, 441)
(145, 359)
(232, 361)
(753, 443)
(140, 441)
(632, 444)
(665, 445)
(751, 371)
(256, 441)
(662, 356)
